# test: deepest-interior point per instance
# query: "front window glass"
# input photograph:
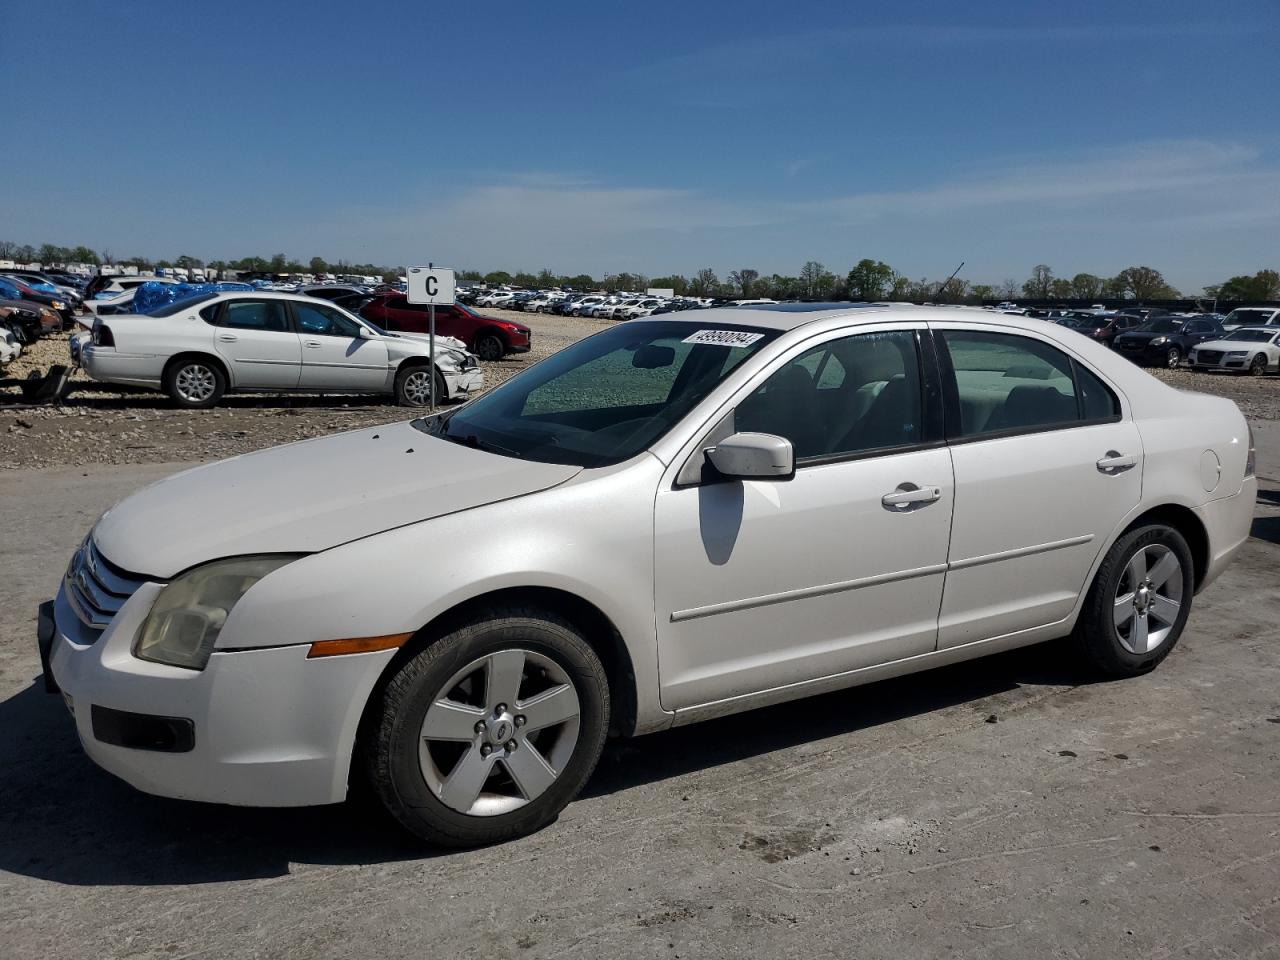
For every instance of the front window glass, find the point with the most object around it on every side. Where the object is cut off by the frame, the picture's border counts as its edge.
(1162, 325)
(265, 315)
(606, 398)
(842, 397)
(324, 321)
(1252, 336)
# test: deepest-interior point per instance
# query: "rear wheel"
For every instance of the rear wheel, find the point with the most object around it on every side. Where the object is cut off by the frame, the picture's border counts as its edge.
(488, 733)
(194, 383)
(489, 346)
(1258, 367)
(1173, 358)
(1138, 603)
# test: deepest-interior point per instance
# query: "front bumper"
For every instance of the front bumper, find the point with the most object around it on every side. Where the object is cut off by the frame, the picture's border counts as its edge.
(1223, 362)
(1144, 353)
(465, 382)
(268, 727)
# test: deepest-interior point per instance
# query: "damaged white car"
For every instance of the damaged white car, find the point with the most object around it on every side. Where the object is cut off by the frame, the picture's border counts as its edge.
(199, 349)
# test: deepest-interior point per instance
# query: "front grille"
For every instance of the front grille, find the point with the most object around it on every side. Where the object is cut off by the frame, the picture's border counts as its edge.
(1208, 356)
(96, 588)
(1132, 344)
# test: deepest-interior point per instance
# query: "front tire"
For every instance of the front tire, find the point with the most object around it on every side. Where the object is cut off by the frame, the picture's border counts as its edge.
(489, 347)
(413, 386)
(1138, 603)
(1258, 368)
(1173, 359)
(194, 383)
(489, 732)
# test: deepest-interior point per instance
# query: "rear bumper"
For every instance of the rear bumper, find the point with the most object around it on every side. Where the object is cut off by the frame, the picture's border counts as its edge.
(1228, 522)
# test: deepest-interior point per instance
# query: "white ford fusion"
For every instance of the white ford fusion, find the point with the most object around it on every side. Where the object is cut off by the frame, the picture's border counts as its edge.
(200, 348)
(673, 519)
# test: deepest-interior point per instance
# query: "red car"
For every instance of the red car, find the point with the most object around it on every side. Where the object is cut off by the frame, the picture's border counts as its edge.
(488, 337)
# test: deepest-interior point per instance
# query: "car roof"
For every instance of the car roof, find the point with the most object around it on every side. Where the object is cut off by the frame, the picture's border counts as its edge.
(789, 316)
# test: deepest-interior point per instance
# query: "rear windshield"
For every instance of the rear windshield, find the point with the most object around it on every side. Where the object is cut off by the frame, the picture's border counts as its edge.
(169, 309)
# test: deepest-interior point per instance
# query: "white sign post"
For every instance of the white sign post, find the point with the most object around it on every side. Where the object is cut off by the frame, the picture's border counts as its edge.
(433, 286)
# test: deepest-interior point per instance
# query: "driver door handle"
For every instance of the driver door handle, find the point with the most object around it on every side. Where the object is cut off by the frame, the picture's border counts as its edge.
(228, 337)
(909, 494)
(1115, 462)
(311, 343)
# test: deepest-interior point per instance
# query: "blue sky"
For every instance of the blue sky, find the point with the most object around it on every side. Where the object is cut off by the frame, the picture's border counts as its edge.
(660, 137)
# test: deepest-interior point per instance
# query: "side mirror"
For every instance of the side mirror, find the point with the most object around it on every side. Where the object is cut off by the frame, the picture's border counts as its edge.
(366, 333)
(753, 456)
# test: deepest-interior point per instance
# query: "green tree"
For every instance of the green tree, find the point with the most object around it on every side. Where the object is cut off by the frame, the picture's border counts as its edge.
(1263, 285)
(582, 281)
(1113, 288)
(318, 265)
(82, 255)
(1085, 286)
(1061, 288)
(815, 282)
(872, 280)
(1145, 283)
(187, 262)
(547, 279)
(744, 278)
(24, 253)
(1040, 285)
(982, 291)
(470, 275)
(51, 253)
(523, 279)
(497, 277)
(674, 282)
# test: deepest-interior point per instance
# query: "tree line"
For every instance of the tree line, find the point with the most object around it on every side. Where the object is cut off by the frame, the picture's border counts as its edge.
(867, 280)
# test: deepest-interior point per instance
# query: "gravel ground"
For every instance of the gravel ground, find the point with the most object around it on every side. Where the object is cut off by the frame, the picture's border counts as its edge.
(109, 425)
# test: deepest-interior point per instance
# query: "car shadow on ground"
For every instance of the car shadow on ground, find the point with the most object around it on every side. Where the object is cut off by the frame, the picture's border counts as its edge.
(64, 820)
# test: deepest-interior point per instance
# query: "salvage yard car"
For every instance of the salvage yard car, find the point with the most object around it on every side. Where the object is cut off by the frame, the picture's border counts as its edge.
(674, 519)
(1252, 350)
(1166, 340)
(198, 349)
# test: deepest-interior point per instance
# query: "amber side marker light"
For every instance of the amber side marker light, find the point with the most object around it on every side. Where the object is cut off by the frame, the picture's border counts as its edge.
(337, 648)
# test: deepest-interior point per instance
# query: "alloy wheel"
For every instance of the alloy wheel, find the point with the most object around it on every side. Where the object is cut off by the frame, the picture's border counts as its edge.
(1148, 598)
(417, 388)
(1173, 358)
(499, 733)
(1259, 366)
(195, 383)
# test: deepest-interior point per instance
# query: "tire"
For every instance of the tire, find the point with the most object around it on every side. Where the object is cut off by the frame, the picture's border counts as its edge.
(414, 390)
(448, 790)
(1126, 632)
(1173, 359)
(489, 347)
(195, 383)
(1258, 366)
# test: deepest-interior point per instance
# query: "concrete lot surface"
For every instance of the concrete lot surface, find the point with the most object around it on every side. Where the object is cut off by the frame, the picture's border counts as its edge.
(1004, 808)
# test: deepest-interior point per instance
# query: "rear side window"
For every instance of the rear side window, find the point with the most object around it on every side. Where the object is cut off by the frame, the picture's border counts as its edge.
(254, 315)
(1006, 384)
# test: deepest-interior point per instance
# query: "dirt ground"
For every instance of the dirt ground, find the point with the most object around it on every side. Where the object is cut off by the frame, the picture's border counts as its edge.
(106, 424)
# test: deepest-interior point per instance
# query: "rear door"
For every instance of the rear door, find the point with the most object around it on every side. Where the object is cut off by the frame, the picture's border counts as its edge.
(259, 345)
(1047, 463)
(334, 355)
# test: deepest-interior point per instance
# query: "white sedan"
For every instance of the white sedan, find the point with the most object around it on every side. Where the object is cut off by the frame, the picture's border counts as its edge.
(674, 519)
(1252, 350)
(198, 349)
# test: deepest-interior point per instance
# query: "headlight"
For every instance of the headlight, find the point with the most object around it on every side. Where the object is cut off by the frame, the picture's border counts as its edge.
(59, 305)
(1159, 340)
(1237, 353)
(188, 615)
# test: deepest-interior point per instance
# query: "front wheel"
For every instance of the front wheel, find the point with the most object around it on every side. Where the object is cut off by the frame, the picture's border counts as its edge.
(1258, 368)
(489, 346)
(1138, 603)
(413, 386)
(489, 732)
(1173, 358)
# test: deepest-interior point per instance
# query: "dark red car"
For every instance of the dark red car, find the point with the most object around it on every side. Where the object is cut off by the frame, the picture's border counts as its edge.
(488, 337)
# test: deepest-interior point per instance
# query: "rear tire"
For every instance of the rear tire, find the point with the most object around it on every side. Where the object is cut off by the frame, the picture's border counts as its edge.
(194, 383)
(453, 751)
(1138, 603)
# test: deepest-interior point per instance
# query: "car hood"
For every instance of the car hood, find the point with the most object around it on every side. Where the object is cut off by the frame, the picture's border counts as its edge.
(309, 496)
(1226, 346)
(1144, 335)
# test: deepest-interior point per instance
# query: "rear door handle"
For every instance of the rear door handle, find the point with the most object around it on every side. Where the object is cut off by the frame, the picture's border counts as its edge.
(228, 337)
(908, 494)
(1115, 462)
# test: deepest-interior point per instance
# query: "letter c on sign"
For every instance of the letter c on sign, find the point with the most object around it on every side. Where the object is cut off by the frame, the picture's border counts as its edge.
(431, 285)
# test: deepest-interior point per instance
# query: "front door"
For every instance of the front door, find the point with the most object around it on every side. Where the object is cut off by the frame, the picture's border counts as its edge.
(260, 347)
(1047, 464)
(764, 584)
(334, 355)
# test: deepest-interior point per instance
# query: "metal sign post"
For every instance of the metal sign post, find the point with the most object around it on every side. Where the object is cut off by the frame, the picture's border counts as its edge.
(431, 286)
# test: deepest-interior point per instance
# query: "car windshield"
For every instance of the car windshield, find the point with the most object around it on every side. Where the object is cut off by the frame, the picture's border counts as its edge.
(1249, 316)
(1162, 325)
(1253, 336)
(603, 399)
(1090, 323)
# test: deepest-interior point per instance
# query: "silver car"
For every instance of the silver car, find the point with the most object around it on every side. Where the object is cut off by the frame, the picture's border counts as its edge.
(674, 519)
